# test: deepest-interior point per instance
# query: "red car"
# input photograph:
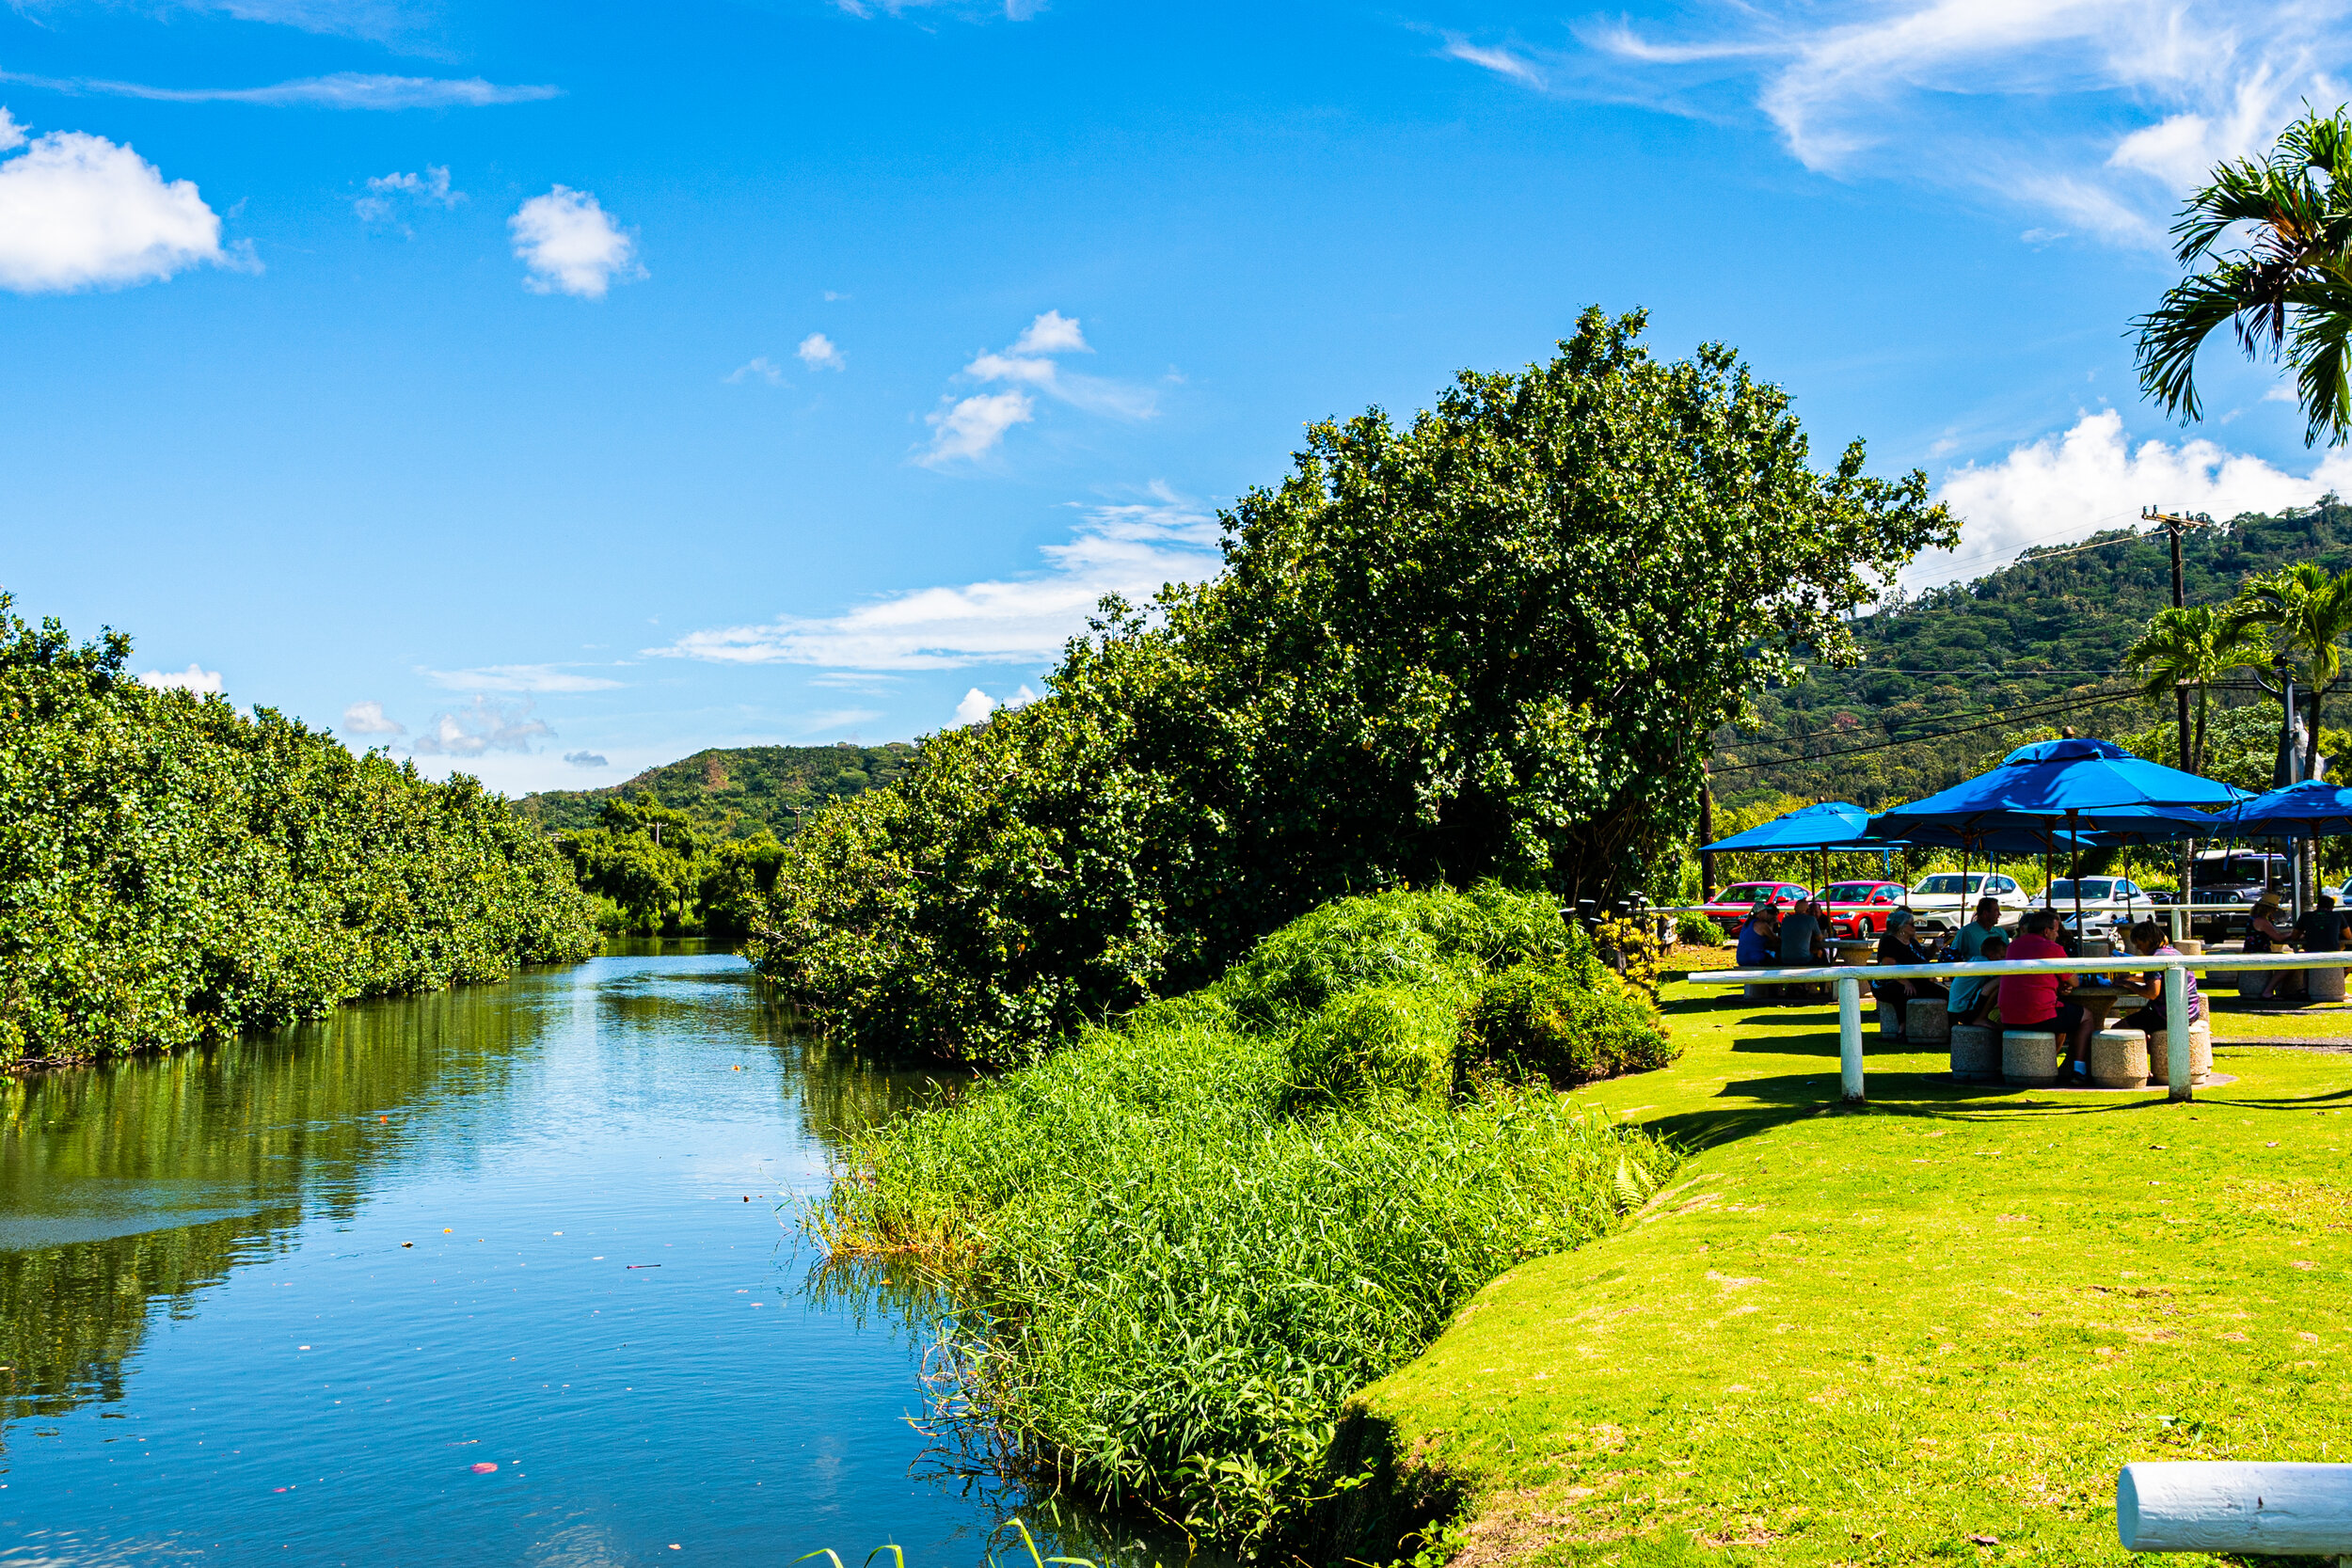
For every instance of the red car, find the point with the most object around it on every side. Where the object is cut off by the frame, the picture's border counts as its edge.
(1731, 905)
(1860, 908)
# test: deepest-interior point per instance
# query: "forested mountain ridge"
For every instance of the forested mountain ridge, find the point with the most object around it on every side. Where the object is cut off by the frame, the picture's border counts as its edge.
(1952, 677)
(734, 790)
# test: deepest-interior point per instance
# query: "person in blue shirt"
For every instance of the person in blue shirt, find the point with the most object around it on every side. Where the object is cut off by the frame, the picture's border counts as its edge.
(1973, 995)
(1760, 937)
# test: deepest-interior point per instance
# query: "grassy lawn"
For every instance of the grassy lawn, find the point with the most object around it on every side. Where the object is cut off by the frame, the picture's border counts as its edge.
(1929, 1330)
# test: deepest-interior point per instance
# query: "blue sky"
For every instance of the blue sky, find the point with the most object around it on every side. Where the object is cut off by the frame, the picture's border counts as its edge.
(554, 392)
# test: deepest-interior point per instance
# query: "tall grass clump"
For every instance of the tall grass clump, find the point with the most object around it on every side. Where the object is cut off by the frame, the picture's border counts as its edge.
(1181, 1244)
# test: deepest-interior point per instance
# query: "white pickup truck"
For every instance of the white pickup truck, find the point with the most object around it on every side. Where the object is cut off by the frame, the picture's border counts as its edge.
(1948, 900)
(2109, 904)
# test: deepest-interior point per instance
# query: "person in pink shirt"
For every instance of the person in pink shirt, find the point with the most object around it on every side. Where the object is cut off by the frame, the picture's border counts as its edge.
(2032, 1000)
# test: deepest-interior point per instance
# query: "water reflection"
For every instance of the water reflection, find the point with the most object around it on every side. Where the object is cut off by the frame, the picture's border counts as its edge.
(279, 1298)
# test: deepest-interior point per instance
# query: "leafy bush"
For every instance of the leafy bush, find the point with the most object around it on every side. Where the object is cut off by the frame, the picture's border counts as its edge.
(1173, 1268)
(1697, 930)
(1490, 643)
(171, 871)
(1381, 1040)
(1538, 1019)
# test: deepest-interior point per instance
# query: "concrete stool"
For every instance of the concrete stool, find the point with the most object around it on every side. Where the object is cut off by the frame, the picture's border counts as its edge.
(2118, 1059)
(2325, 985)
(2189, 947)
(1890, 1023)
(1759, 993)
(2200, 1053)
(2029, 1056)
(1926, 1020)
(1975, 1053)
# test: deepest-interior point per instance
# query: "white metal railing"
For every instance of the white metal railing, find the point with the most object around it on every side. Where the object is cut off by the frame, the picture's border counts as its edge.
(1849, 980)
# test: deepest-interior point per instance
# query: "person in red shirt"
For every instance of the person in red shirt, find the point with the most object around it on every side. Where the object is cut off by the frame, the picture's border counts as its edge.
(2032, 1000)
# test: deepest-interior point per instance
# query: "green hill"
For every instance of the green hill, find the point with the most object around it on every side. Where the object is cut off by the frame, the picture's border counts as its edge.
(735, 790)
(1952, 677)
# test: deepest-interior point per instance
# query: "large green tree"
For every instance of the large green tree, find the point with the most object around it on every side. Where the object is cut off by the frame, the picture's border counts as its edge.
(2284, 288)
(1491, 642)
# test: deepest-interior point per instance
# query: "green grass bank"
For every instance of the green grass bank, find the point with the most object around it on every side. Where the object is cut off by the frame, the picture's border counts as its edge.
(1929, 1330)
(1176, 1246)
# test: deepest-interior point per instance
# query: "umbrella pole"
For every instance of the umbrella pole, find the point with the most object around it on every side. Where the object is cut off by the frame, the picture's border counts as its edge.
(2073, 821)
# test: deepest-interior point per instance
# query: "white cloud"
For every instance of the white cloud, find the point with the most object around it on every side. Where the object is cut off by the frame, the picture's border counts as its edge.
(195, 678)
(345, 90)
(78, 212)
(517, 677)
(977, 706)
(760, 367)
(1501, 61)
(387, 193)
(571, 245)
(1130, 550)
(2064, 487)
(481, 727)
(585, 759)
(1052, 333)
(2100, 112)
(369, 718)
(973, 427)
(817, 353)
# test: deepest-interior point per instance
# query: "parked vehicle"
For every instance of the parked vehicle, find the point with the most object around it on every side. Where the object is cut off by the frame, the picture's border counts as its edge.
(1948, 900)
(1731, 905)
(2233, 877)
(1860, 908)
(2109, 903)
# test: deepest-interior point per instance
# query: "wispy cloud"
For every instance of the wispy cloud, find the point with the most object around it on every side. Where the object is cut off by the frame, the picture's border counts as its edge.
(971, 427)
(481, 727)
(344, 89)
(585, 759)
(369, 718)
(517, 677)
(1130, 549)
(388, 193)
(569, 245)
(2066, 486)
(818, 353)
(758, 368)
(2098, 112)
(80, 212)
(195, 678)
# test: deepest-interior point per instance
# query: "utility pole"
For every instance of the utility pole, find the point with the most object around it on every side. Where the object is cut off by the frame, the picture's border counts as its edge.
(2173, 523)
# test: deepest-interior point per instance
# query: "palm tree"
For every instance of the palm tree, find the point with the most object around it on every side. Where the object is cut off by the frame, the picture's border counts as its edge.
(2286, 291)
(2308, 611)
(2194, 647)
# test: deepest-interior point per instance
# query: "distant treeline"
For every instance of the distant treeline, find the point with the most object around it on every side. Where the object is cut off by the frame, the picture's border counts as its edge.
(172, 871)
(1958, 673)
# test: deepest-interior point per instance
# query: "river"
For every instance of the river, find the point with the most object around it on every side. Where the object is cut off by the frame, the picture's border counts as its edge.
(290, 1300)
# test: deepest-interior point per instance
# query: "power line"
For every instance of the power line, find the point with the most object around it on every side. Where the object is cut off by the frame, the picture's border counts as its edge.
(2007, 721)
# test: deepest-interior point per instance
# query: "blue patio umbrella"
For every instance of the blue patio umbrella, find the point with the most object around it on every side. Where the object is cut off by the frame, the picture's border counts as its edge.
(2074, 785)
(1831, 825)
(2313, 808)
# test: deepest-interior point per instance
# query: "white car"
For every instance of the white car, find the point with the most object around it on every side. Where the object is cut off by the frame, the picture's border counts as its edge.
(2109, 904)
(1948, 900)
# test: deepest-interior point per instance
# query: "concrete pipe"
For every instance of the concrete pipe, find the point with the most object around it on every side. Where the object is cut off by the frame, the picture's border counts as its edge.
(2118, 1059)
(2029, 1056)
(1975, 1053)
(2266, 1510)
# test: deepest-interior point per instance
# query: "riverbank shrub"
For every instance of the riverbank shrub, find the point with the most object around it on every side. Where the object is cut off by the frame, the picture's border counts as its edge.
(1492, 641)
(173, 871)
(1172, 1266)
(1545, 1021)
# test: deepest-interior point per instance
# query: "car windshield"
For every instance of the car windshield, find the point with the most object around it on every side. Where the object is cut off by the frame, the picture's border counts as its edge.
(1851, 893)
(2229, 872)
(2092, 887)
(1747, 892)
(1952, 882)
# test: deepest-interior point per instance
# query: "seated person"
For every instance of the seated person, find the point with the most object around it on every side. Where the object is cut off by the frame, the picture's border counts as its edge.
(2032, 1000)
(2147, 939)
(2265, 932)
(1803, 941)
(2322, 930)
(1760, 937)
(1984, 1005)
(1971, 994)
(1900, 946)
